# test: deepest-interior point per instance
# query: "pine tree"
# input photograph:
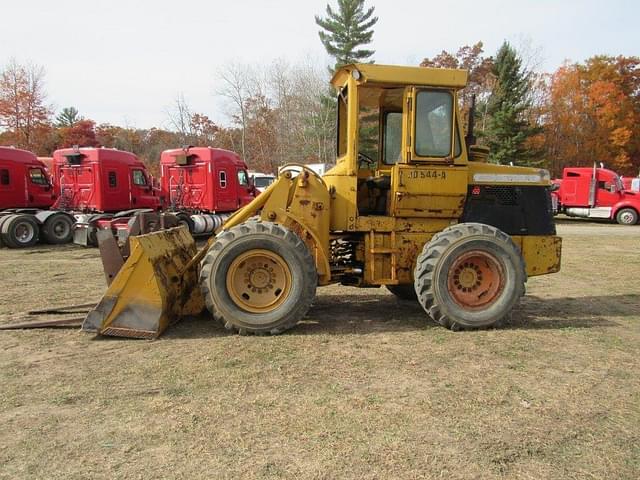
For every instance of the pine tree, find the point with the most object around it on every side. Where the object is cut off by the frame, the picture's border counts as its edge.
(344, 31)
(68, 117)
(508, 128)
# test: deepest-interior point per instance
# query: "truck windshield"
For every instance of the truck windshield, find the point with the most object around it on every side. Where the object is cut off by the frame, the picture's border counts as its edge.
(434, 115)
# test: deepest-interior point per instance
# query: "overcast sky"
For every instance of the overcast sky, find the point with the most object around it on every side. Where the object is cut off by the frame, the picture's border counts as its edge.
(124, 62)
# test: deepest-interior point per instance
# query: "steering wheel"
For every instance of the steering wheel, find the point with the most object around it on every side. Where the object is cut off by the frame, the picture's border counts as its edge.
(366, 159)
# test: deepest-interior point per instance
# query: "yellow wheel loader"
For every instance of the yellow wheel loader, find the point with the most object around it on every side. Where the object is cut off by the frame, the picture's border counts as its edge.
(410, 205)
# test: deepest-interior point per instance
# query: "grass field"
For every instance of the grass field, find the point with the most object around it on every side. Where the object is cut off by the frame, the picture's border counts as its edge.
(365, 387)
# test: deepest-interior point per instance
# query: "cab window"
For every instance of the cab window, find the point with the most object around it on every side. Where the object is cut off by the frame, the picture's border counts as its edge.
(139, 178)
(38, 177)
(113, 181)
(341, 123)
(392, 137)
(4, 176)
(242, 178)
(223, 179)
(434, 120)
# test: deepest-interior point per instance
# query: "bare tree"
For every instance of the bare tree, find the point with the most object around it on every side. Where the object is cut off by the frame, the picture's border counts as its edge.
(180, 119)
(235, 87)
(284, 113)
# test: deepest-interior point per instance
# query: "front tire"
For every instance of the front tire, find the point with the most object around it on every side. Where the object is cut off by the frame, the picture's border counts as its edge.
(258, 277)
(469, 275)
(627, 216)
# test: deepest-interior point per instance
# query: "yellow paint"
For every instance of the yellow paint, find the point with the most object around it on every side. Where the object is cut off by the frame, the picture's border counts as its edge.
(402, 75)
(428, 191)
(542, 254)
(151, 290)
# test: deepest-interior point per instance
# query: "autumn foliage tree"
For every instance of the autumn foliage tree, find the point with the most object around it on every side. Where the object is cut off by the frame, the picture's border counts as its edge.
(593, 114)
(480, 68)
(81, 133)
(24, 113)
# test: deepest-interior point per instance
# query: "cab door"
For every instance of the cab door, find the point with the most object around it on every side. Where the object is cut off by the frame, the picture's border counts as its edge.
(142, 193)
(607, 192)
(224, 183)
(430, 181)
(40, 191)
(245, 188)
(11, 195)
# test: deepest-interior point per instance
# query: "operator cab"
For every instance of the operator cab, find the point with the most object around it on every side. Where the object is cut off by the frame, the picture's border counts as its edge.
(397, 124)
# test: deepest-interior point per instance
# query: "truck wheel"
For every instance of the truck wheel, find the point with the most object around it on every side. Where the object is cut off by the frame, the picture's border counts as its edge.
(3, 219)
(258, 277)
(469, 275)
(58, 229)
(185, 219)
(403, 292)
(20, 231)
(627, 216)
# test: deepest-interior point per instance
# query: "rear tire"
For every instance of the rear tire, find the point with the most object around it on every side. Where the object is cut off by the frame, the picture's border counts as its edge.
(469, 275)
(20, 231)
(403, 292)
(258, 277)
(58, 229)
(3, 219)
(627, 216)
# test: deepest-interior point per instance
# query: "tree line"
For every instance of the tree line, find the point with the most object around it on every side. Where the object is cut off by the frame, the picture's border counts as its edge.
(282, 112)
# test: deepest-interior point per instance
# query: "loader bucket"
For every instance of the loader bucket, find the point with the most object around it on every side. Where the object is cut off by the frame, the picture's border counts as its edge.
(151, 290)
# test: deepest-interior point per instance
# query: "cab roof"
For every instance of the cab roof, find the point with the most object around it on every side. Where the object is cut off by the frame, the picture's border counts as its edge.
(390, 75)
(17, 155)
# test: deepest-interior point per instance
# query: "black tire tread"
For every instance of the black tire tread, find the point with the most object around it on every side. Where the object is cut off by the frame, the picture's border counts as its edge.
(48, 234)
(431, 254)
(285, 235)
(7, 227)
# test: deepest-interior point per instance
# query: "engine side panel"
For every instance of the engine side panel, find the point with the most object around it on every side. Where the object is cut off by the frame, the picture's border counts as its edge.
(516, 210)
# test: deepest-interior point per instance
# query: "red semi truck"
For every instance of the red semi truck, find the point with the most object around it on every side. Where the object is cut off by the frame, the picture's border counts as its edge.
(199, 187)
(203, 185)
(595, 193)
(104, 187)
(27, 193)
(89, 189)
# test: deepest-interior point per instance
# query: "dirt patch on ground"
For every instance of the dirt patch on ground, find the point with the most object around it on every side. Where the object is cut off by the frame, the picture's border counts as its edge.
(365, 387)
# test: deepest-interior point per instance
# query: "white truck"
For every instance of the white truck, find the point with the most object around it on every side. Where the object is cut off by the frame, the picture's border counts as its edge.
(261, 180)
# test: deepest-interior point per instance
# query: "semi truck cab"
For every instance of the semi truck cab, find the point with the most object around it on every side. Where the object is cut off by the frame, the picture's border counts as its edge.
(595, 193)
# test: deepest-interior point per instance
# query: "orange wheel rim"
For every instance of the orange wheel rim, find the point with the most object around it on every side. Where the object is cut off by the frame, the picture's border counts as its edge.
(475, 280)
(259, 281)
